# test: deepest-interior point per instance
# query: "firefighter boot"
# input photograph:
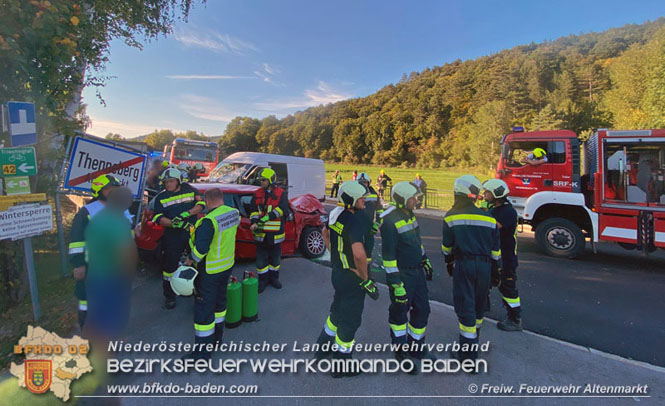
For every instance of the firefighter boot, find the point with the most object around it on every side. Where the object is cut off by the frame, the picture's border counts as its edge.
(347, 368)
(219, 331)
(510, 324)
(263, 281)
(273, 279)
(325, 346)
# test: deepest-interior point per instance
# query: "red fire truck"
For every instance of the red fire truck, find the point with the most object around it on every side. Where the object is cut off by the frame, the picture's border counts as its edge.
(192, 152)
(616, 193)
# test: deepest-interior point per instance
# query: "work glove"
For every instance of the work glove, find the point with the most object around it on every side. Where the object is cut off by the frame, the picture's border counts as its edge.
(177, 222)
(184, 214)
(399, 294)
(496, 276)
(370, 289)
(427, 267)
(450, 266)
(264, 219)
(375, 227)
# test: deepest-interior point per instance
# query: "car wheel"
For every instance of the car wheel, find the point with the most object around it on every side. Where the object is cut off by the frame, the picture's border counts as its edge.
(311, 242)
(559, 237)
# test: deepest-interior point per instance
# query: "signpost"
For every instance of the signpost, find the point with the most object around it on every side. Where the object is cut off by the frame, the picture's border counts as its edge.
(18, 185)
(18, 161)
(90, 159)
(22, 123)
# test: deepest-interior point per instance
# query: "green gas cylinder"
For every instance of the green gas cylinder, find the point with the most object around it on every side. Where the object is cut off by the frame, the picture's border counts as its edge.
(250, 297)
(233, 303)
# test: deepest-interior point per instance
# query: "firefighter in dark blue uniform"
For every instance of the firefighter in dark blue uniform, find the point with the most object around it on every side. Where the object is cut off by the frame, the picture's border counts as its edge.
(407, 270)
(368, 215)
(350, 278)
(471, 248)
(176, 209)
(213, 248)
(268, 209)
(496, 194)
(101, 187)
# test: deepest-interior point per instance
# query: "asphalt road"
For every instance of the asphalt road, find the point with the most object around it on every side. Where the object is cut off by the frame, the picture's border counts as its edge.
(613, 301)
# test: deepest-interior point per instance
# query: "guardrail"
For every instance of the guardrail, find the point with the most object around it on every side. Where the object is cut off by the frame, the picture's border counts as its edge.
(433, 199)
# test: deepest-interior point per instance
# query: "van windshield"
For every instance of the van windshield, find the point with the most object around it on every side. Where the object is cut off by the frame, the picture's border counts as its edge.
(228, 172)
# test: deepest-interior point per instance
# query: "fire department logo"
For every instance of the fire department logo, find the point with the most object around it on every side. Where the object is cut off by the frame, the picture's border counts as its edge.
(38, 375)
(526, 181)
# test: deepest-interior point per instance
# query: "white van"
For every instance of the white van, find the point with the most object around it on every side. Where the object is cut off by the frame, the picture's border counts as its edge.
(298, 176)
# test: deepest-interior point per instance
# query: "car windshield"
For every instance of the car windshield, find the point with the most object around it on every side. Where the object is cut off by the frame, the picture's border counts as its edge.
(227, 172)
(192, 153)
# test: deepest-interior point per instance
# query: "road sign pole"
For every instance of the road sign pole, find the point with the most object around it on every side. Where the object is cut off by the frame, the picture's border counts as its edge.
(61, 235)
(32, 277)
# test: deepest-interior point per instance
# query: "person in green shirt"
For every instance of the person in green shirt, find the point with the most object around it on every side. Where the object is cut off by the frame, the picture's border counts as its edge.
(337, 179)
(111, 256)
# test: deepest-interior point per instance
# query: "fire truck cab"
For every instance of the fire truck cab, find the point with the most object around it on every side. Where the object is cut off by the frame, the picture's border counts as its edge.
(616, 193)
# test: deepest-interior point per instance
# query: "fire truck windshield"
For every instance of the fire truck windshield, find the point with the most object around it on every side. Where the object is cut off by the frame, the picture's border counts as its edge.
(192, 153)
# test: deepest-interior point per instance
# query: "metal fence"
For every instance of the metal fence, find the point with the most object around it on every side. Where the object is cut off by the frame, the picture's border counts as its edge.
(434, 199)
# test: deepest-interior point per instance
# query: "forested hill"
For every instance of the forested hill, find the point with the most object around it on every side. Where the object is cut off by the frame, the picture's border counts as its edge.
(455, 114)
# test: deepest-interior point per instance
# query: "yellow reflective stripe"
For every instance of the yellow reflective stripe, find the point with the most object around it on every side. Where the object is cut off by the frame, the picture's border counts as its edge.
(446, 250)
(167, 275)
(76, 248)
(279, 211)
(83, 305)
(419, 331)
(220, 317)
(344, 346)
(337, 227)
(204, 330)
(156, 218)
(390, 266)
(201, 202)
(398, 327)
(479, 322)
(403, 226)
(468, 332)
(512, 302)
(262, 270)
(470, 220)
(177, 199)
(196, 254)
(330, 325)
(345, 262)
(496, 254)
(77, 244)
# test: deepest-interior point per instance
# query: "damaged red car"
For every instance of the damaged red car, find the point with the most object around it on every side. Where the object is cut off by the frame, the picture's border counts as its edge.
(303, 225)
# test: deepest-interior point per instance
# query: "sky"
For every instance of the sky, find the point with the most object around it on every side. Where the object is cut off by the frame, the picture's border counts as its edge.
(259, 57)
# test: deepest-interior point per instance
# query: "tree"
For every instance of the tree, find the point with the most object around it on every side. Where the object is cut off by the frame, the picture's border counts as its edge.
(114, 137)
(193, 135)
(240, 135)
(52, 49)
(157, 140)
(546, 119)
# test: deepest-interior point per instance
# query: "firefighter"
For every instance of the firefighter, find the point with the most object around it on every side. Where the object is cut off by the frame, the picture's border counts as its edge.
(101, 187)
(407, 270)
(268, 208)
(337, 179)
(176, 208)
(213, 250)
(195, 171)
(350, 278)
(537, 157)
(382, 182)
(368, 215)
(496, 194)
(471, 248)
(184, 168)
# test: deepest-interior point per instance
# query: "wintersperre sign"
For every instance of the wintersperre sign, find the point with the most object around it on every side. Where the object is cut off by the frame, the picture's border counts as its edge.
(89, 159)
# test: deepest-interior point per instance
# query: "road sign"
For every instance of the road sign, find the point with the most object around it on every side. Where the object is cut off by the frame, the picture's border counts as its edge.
(90, 159)
(18, 185)
(8, 201)
(25, 221)
(22, 124)
(18, 161)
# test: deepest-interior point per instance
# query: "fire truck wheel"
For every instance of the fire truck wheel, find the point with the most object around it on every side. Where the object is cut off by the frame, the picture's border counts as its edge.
(559, 237)
(311, 242)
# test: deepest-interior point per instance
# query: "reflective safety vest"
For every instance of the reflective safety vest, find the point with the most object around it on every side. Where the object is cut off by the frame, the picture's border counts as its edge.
(221, 254)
